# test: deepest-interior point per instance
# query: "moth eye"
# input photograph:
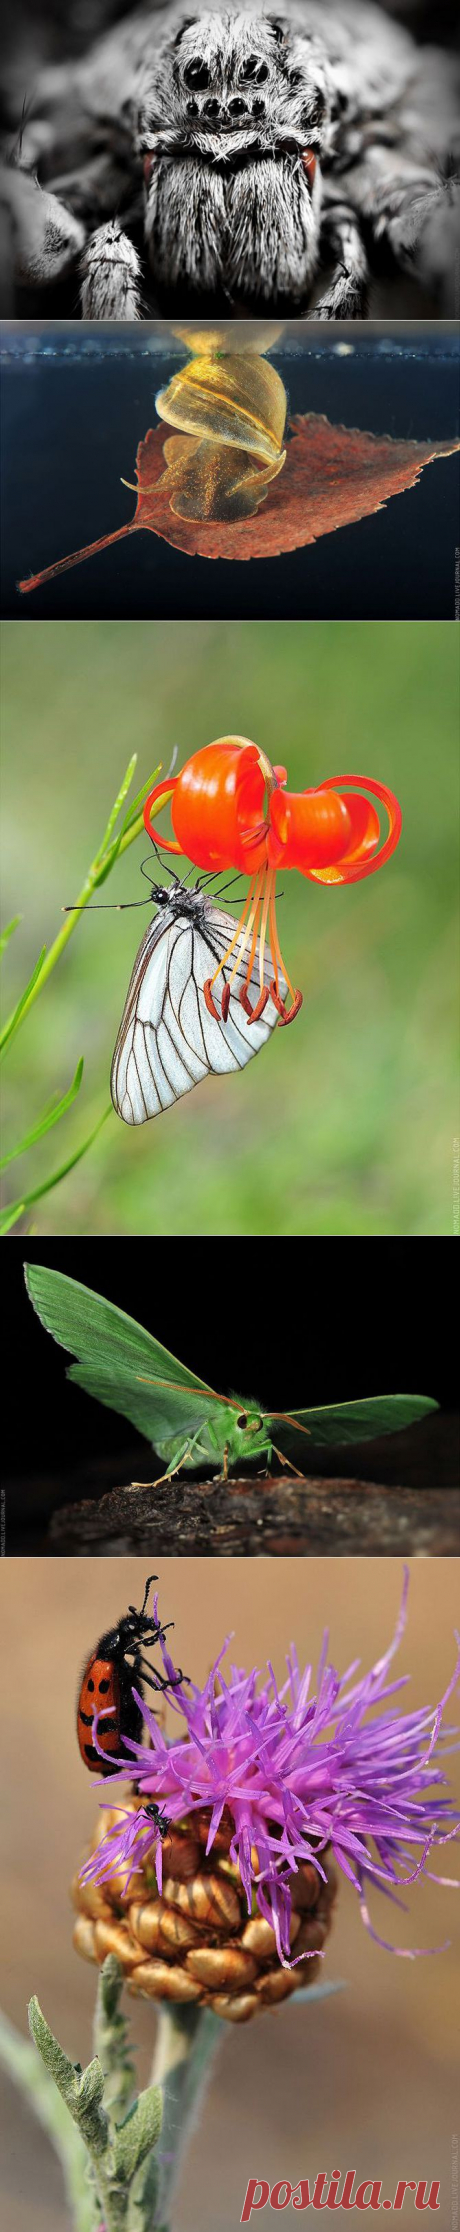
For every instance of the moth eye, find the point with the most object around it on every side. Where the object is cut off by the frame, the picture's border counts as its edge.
(243, 1419)
(197, 74)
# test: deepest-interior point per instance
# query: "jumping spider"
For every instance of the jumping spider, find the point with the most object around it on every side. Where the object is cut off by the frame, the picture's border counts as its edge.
(227, 158)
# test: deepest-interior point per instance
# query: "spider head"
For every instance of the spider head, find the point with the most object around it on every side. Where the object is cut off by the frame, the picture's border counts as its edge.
(232, 128)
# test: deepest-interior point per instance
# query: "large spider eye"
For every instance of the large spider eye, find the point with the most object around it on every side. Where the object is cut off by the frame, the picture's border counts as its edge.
(254, 70)
(197, 74)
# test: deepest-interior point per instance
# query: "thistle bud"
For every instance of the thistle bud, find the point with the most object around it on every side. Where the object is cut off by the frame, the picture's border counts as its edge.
(196, 1942)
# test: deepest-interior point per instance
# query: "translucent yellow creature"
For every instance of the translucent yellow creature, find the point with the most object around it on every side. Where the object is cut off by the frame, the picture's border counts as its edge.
(230, 408)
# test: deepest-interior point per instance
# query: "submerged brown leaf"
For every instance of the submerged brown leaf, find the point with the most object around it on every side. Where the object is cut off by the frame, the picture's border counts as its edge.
(332, 476)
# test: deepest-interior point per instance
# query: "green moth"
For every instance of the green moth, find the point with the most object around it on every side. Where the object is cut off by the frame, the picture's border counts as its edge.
(187, 1423)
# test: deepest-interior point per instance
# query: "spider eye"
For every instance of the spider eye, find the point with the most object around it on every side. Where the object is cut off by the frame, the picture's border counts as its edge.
(197, 74)
(254, 69)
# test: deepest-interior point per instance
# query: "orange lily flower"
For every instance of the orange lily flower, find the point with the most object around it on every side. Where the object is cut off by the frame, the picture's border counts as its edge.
(230, 809)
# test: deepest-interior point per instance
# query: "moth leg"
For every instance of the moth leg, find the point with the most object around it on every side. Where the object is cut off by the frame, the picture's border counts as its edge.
(346, 295)
(222, 1476)
(111, 275)
(287, 1461)
(172, 1469)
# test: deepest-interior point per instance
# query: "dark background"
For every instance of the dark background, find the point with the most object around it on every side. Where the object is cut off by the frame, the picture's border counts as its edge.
(288, 1326)
(71, 426)
(54, 28)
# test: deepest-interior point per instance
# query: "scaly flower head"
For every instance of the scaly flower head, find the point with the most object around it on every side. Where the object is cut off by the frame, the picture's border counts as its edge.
(230, 809)
(298, 1772)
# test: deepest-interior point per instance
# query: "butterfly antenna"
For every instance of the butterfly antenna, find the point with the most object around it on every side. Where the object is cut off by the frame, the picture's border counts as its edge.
(100, 906)
(165, 867)
(172, 763)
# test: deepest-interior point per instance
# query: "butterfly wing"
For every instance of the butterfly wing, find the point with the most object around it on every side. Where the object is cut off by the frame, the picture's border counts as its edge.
(118, 1361)
(349, 1422)
(167, 1039)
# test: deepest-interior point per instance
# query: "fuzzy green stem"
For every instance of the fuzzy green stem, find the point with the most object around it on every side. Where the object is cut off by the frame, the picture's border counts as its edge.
(111, 2041)
(187, 2041)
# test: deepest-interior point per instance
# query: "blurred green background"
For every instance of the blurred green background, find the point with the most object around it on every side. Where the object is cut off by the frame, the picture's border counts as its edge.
(345, 1122)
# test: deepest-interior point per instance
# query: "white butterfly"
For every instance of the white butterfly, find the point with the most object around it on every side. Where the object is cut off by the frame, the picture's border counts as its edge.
(167, 1039)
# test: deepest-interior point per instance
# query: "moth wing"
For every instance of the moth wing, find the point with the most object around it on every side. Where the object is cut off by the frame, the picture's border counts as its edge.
(116, 1356)
(163, 1414)
(168, 1041)
(351, 1422)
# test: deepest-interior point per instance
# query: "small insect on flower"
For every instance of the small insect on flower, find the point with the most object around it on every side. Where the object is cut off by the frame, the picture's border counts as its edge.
(160, 1820)
(106, 1689)
(188, 1422)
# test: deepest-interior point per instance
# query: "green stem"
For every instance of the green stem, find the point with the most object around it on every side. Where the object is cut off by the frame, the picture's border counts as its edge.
(96, 874)
(187, 2041)
(111, 2041)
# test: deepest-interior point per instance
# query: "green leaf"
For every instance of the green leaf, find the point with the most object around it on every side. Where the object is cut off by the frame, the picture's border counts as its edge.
(108, 852)
(143, 2199)
(17, 1209)
(7, 933)
(52, 2054)
(45, 1123)
(351, 1422)
(100, 875)
(18, 2056)
(138, 801)
(10, 1217)
(135, 2137)
(12, 1021)
(82, 2092)
(119, 802)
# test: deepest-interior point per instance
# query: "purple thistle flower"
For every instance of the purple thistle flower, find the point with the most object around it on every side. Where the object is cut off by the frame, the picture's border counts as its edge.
(298, 1772)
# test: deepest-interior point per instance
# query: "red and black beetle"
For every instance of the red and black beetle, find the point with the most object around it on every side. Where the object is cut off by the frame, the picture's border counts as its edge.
(107, 1685)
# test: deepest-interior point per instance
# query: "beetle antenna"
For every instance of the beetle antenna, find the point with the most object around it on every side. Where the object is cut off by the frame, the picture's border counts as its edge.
(148, 1585)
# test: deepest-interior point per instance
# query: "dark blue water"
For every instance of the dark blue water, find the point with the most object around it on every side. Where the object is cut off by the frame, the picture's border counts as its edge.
(71, 422)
